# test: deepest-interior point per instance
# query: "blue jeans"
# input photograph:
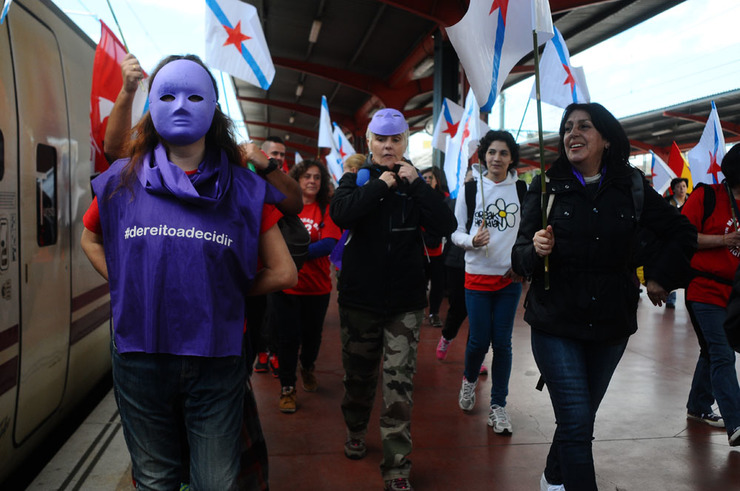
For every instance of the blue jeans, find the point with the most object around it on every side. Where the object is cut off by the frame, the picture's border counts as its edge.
(715, 376)
(157, 393)
(577, 374)
(491, 319)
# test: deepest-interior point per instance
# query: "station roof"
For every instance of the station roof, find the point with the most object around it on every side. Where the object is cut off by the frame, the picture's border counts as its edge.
(369, 54)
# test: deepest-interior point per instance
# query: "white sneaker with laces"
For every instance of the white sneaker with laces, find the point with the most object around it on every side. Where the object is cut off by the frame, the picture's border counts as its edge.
(499, 420)
(546, 486)
(467, 394)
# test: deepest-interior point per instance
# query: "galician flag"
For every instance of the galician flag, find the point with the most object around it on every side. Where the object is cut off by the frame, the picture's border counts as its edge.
(560, 83)
(326, 139)
(705, 158)
(235, 43)
(5, 10)
(447, 124)
(661, 174)
(298, 158)
(341, 143)
(335, 164)
(460, 147)
(679, 166)
(493, 36)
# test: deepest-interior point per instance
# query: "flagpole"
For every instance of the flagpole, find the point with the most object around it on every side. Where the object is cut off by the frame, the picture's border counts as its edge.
(543, 182)
(115, 19)
(484, 221)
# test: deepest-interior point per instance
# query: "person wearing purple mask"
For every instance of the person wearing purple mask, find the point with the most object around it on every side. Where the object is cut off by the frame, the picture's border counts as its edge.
(183, 233)
(382, 289)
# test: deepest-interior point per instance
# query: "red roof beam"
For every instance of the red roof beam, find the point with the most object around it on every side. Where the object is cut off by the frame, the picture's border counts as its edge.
(731, 127)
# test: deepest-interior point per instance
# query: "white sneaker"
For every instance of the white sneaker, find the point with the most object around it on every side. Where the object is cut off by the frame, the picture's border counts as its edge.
(467, 394)
(546, 486)
(499, 420)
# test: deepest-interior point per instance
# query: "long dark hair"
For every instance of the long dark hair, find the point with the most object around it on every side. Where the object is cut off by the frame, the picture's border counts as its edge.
(731, 166)
(606, 124)
(324, 195)
(220, 135)
(503, 136)
(441, 179)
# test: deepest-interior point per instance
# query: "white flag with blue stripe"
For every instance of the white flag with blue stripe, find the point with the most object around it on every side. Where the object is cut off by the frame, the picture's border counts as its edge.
(341, 143)
(462, 145)
(5, 10)
(326, 139)
(235, 43)
(491, 39)
(706, 157)
(560, 83)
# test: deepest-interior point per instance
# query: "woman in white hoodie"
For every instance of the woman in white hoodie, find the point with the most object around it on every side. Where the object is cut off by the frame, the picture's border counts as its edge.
(492, 289)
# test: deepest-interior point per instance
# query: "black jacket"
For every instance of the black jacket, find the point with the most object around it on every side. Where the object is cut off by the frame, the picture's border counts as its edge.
(593, 290)
(732, 322)
(383, 261)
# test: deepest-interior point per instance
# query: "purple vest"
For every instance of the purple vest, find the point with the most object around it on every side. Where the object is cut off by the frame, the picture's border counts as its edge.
(181, 254)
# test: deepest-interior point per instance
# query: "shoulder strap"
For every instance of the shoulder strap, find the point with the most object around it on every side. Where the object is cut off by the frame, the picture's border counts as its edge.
(710, 201)
(638, 193)
(470, 191)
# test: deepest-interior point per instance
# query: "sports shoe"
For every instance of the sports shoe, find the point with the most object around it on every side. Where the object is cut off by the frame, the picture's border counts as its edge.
(498, 419)
(274, 365)
(483, 370)
(711, 419)
(261, 365)
(546, 486)
(399, 484)
(435, 321)
(467, 394)
(310, 384)
(355, 448)
(287, 400)
(442, 348)
(735, 437)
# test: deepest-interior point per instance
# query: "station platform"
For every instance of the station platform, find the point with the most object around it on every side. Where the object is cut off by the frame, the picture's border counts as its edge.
(643, 441)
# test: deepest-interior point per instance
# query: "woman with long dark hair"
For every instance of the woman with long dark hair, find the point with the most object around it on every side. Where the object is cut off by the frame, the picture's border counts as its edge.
(583, 310)
(178, 229)
(299, 311)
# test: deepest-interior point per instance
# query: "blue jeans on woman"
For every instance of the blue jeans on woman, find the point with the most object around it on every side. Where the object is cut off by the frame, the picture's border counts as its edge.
(155, 393)
(491, 319)
(715, 369)
(577, 374)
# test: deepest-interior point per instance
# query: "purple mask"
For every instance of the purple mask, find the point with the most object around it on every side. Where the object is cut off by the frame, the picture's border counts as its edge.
(182, 102)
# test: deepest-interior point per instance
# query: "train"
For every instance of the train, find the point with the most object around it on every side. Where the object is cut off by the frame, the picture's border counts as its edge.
(54, 307)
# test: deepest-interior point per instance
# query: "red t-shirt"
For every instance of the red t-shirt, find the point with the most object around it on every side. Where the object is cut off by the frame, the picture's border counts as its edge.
(721, 261)
(314, 278)
(486, 282)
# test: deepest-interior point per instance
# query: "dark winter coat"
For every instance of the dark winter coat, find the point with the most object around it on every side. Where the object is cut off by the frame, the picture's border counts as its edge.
(593, 290)
(383, 262)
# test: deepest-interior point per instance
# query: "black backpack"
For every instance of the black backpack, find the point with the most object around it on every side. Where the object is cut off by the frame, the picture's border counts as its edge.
(296, 238)
(471, 189)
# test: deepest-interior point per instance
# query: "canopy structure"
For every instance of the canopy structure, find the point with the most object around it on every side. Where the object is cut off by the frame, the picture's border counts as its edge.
(368, 54)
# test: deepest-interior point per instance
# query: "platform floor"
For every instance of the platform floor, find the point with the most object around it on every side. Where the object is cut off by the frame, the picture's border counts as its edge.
(643, 441)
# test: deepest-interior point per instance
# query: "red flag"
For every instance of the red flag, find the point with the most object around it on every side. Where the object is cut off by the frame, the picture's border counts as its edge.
(106, 84)
(675, 160)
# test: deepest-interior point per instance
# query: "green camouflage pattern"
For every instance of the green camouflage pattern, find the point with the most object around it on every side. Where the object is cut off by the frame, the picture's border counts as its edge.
(367, 338)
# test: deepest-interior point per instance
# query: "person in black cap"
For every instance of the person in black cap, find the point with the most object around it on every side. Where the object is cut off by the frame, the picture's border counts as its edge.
(382, 289)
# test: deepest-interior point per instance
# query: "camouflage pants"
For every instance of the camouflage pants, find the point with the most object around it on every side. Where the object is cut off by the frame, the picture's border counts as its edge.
(367, 338)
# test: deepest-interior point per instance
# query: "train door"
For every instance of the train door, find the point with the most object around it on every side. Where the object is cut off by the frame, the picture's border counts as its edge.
(43, 164)
(9, 293)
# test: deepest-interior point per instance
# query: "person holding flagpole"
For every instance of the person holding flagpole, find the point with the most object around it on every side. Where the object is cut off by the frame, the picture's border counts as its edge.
(596, 203)
(382, 289)
(179, 229)
(487, 230)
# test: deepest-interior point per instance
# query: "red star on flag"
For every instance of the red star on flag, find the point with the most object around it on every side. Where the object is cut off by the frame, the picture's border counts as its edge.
(342, 153)
(713, 167)
(466, 132)
(235, 36)
(500, 4)
(569, 79)
(451, 128)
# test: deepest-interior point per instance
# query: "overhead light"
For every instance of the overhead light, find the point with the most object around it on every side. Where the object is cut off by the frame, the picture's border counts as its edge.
(423, 67)
(313, 36)
(291, 119)
(287, 137)
(661, 132)
(299, 90)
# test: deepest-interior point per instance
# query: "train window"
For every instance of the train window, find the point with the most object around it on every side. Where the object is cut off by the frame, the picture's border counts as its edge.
(46, 195)
(2, 155)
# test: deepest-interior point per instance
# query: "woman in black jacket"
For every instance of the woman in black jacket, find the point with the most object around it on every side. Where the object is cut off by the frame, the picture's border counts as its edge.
(583, 311)
(382, 289)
